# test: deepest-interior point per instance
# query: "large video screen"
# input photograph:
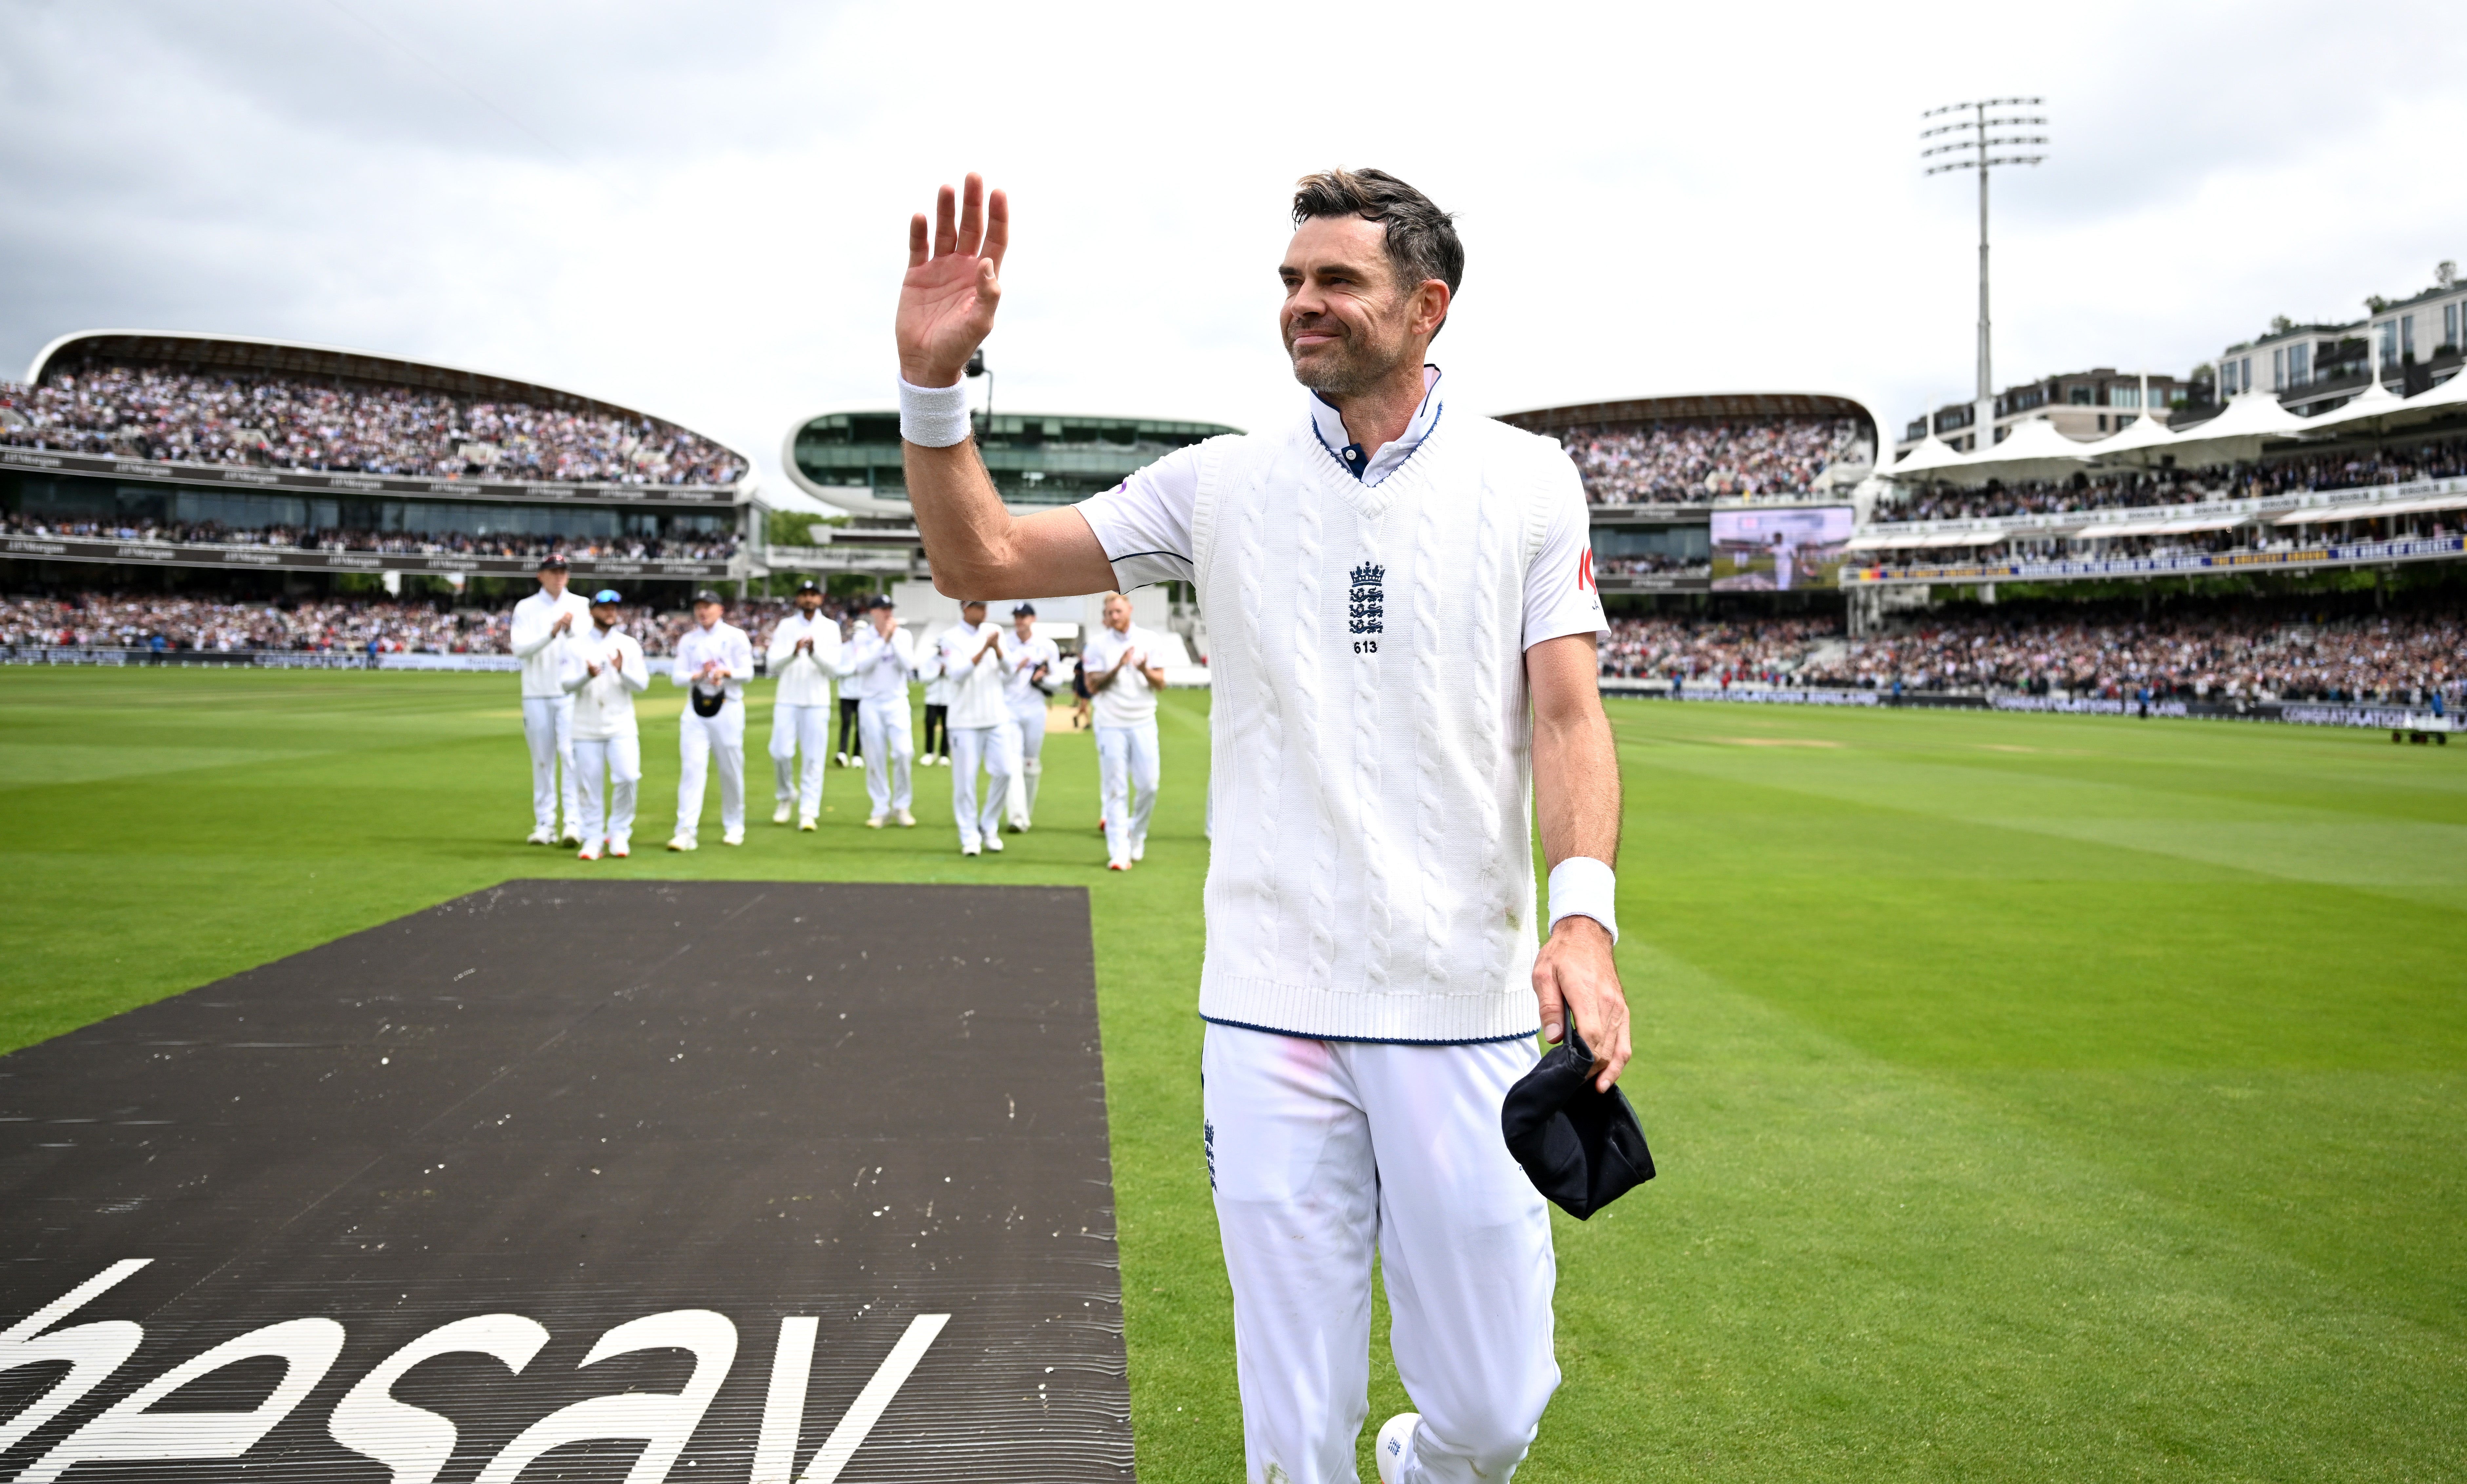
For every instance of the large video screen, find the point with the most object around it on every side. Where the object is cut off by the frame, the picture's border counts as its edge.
(1780, 551)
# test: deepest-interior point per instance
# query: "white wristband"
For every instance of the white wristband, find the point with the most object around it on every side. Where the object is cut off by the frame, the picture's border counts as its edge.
(934, 417)
(1582, 886)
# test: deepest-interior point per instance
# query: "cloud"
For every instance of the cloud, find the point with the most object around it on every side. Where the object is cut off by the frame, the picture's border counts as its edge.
(699, 211)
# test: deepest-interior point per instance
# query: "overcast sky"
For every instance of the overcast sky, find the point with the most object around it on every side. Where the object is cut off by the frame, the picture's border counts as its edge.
(700, 210)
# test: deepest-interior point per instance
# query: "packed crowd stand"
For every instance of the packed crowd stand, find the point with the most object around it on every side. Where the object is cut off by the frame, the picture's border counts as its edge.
(2261, 651)
(1694, 463)
(331, 538)
(279, 423)
(2140, 488)
(2257, 652)
(95, 620)
(1653, 562)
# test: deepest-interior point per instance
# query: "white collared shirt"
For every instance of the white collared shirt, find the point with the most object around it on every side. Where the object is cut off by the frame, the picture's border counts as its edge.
(1143, 523)
(1392, 457)
(603, 705)
(879, 668)
(723, 641)
(1020, 659)
(1128, 699)
(806, 677)
(542, 652)
(976, 674)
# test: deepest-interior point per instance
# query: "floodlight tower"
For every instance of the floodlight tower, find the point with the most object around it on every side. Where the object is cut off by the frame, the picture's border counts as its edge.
(1975, 144)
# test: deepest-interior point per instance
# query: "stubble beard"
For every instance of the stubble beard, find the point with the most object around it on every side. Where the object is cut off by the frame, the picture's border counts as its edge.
(1354, 368)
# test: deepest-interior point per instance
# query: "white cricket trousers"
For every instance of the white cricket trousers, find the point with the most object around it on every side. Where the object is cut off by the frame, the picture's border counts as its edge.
(548, 726)
(1319, 1152)
(608, 801)
(1030, 717)
(998, 749)
(799, 736)
(882, 733)
(700, 740)
(1126, 780)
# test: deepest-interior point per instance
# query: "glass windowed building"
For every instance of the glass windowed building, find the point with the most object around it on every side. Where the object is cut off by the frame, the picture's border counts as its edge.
(851, 459)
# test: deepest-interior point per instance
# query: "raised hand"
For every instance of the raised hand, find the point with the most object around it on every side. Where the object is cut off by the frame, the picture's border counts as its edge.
(946, 302)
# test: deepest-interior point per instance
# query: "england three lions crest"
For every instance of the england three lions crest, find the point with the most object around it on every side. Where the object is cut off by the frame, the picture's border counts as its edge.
(1367, 603)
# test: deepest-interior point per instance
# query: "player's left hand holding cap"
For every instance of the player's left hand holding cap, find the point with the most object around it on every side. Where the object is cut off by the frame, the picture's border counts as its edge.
(1581, 1147)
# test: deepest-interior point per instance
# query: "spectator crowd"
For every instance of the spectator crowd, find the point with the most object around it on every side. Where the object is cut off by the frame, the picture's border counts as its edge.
(95, 620)
(2136, 488)
(275, 422)
(1694, 461)
(2251, 652)
(331, 538)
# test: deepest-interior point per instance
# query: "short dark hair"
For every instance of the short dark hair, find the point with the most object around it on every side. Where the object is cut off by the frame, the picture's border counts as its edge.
(1421, 239)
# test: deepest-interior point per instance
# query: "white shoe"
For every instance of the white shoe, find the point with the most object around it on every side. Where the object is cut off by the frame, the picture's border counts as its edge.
(874, 822)
(806, 822)
(907, 820)
(589, 852)
(1395, 1446)
(680, 842)
(856, 759)
(571, 837)
(542, 836)
(734, 836)
(993, 842)
(971, 848)
(780, 816)
(1118, 866)
(1140, 851)
(841, 757)
(621, 847)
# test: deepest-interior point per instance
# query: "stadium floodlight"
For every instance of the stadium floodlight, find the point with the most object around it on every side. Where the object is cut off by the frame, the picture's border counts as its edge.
(977, 367)
(1982, 136)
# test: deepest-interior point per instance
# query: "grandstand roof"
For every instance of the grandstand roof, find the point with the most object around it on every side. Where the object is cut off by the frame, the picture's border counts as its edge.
(250, 355)
(1713, 404)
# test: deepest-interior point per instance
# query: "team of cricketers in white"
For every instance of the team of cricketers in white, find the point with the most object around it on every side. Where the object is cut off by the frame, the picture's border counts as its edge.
(581, 670)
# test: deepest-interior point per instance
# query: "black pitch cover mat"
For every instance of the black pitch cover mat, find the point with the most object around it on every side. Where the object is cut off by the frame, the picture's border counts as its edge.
(710, 1182)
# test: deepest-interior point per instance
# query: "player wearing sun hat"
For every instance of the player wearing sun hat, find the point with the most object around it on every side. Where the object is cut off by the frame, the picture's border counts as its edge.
(604, 671)
(542, 623)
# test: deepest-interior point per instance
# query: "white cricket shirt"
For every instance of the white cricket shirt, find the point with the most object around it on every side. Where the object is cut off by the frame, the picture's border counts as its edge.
(723, 641)
(1128, 700)
(541, 651)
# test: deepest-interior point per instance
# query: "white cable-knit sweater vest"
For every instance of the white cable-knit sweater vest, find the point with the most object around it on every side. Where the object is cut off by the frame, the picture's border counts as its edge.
(1371, 875)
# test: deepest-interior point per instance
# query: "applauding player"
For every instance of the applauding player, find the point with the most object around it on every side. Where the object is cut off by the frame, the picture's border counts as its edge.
(979, 726)
(804, 657)
(881, 661)
(1122, 685)
(1028, 664)
(712, 663)
(604, 671)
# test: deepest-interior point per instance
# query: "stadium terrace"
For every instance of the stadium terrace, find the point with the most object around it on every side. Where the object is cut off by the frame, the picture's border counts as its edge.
(309, 467)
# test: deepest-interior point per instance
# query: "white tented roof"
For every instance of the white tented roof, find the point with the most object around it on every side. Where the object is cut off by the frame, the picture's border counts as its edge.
(2237, 432)
(1933, 453)
(2376, 401)
(2141, 436)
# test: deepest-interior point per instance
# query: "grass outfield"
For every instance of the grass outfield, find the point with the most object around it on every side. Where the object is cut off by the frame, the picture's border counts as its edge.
(2036, 1097)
